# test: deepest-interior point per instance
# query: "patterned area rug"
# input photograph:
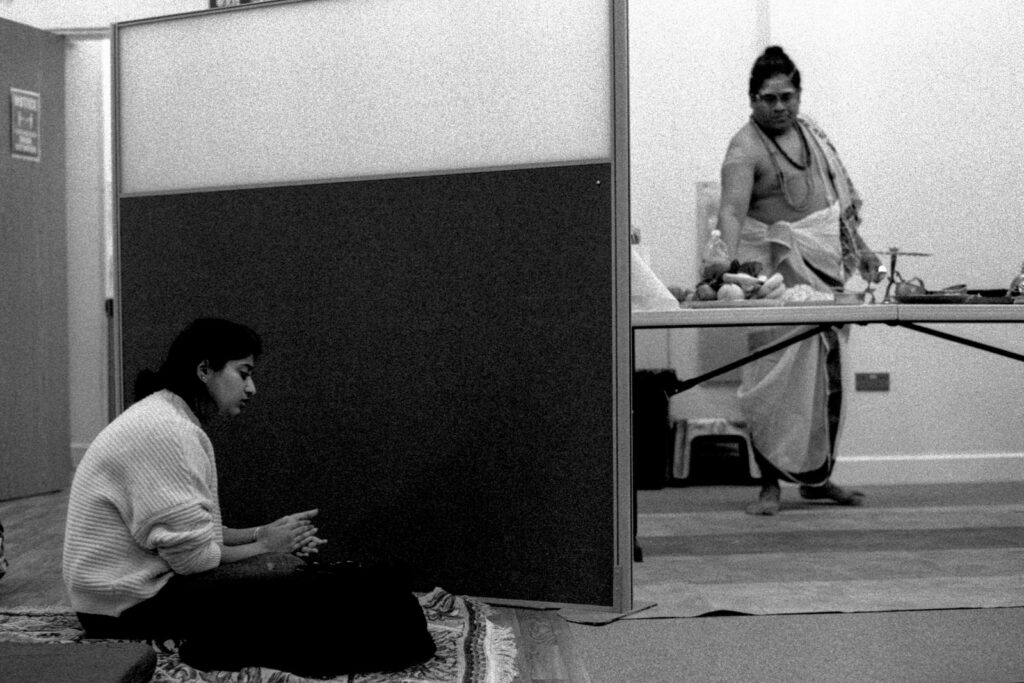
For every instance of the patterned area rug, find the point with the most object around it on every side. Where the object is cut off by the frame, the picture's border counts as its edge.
(470, 647)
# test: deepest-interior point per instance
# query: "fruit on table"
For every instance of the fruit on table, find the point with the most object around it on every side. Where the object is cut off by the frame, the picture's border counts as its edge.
(713, 270)
(772, 287)
(730, 292)
(745, 276)
(748, 283)
(749, 267)
(706, 292)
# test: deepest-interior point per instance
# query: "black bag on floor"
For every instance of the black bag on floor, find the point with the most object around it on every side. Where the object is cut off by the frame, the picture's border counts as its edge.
(652, 430)
(325, 620)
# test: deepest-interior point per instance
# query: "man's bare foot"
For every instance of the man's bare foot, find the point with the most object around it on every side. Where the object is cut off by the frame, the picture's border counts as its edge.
(829, 491)
(768, 501)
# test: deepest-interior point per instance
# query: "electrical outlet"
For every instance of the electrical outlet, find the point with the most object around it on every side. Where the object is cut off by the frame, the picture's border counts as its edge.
(871, 381)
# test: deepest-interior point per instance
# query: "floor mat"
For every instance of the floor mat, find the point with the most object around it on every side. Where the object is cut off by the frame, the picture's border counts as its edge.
(470, 647)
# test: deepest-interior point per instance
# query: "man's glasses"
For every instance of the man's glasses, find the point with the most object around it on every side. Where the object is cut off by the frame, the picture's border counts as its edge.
(771, 99)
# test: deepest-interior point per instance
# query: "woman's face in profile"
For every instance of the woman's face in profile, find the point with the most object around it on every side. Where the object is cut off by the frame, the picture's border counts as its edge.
(232, 386)
(776, 105)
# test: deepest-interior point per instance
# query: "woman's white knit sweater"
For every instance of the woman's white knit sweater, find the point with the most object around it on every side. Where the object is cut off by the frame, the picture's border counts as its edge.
(143, 507)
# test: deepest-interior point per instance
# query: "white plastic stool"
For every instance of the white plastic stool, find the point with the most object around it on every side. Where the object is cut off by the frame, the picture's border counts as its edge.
(692, 428)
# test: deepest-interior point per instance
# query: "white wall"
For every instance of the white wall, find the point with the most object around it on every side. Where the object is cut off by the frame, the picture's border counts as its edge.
(923, 102)
(85, 24)
(687, 68)
(74, 15)
(88, 228)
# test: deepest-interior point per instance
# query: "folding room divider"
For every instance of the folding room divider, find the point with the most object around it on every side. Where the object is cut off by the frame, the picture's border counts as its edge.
(422, 207)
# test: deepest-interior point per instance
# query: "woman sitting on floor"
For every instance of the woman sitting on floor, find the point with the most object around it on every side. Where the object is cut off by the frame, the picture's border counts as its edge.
(146, 555)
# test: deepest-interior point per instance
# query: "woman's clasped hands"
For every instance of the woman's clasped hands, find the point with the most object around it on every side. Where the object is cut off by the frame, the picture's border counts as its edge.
(293, 533)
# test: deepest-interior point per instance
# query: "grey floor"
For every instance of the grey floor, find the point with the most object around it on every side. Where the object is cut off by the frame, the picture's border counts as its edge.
(977, 645)
(956, 645)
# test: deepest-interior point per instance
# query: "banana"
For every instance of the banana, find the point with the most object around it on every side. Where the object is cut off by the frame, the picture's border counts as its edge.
(746, 282)
(773, 287)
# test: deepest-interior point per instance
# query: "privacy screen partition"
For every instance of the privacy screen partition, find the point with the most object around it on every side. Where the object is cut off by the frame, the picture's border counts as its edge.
(418, 205)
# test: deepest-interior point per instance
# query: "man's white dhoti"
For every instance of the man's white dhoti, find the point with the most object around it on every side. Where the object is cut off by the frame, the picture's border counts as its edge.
(786, 395)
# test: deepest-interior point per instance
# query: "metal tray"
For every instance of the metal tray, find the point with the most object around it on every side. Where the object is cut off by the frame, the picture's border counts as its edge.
(934, 298)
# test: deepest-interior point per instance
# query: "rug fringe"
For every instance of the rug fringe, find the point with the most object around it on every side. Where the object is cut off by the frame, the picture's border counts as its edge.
(35, 610)
(500, 646)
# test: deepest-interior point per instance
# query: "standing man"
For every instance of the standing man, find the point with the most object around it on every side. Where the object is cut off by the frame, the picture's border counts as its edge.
(788, 203)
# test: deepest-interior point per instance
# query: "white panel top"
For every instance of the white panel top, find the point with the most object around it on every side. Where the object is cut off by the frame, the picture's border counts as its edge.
(322, 90)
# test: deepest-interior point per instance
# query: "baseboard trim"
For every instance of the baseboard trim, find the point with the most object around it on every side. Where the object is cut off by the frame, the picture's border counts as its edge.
(948, 468)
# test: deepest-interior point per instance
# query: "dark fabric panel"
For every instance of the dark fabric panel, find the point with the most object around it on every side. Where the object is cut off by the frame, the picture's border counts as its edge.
(438, 375)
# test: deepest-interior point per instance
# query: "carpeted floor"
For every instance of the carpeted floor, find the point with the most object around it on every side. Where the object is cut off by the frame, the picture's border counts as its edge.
(934, 646)
(907, 549)
(698, 542)
(470, 647)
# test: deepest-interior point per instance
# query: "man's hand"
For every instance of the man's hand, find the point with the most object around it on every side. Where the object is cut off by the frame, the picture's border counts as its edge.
(871, 268)
(773, 288)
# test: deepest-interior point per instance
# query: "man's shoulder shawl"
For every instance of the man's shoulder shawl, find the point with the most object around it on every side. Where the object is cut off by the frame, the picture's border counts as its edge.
(847, 195)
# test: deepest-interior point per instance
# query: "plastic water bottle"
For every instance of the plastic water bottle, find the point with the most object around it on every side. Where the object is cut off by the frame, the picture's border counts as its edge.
(716, 251)
(1017, 286)
(715, 260)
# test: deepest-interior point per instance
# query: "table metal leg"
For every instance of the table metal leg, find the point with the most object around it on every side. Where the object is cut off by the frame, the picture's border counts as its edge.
(961, 340)
(760, 353)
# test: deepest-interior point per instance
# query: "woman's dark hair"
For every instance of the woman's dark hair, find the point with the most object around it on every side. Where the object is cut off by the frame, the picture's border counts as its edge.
(214, 340)
(773, 62)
